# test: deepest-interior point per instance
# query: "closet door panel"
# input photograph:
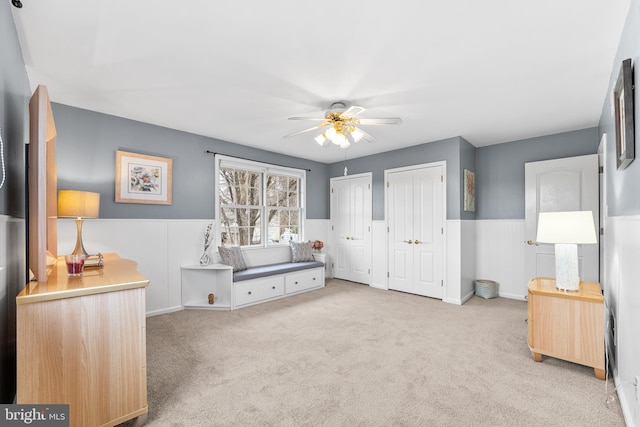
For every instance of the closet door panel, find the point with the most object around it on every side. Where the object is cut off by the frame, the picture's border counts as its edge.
(351, 222)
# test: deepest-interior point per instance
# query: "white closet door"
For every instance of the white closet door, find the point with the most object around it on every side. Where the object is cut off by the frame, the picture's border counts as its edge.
(400, 209)
(416, 220)
(428, 232)
(351, 222)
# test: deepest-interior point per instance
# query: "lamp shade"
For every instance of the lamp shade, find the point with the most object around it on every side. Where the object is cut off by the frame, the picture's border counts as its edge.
(78, 204)
(566, 227)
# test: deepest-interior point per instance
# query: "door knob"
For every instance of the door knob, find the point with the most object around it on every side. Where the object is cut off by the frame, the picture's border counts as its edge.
(532, 243)
(347, 237)
(408, 241)
(417, 242)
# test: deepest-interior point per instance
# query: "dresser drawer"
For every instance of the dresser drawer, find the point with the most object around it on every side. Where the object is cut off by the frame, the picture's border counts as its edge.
(303, 280)
(251, 291)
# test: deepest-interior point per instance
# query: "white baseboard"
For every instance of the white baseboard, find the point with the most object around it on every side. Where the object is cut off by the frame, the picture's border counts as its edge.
(164, 311)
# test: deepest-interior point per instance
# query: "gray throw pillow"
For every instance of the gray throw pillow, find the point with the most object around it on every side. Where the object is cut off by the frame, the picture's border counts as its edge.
(232, 255)
(301, 251)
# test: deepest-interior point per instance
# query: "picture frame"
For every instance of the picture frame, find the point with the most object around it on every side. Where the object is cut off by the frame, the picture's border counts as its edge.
(142, 178)
(469, 187)
(623, 116)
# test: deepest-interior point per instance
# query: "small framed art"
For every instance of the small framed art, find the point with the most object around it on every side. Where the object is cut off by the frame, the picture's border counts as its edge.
(623, 108)
(469, 191)
(141, 178)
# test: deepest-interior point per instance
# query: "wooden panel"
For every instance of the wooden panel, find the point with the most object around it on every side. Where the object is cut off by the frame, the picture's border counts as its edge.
(42, 183)
(82, 342)
(86, 352)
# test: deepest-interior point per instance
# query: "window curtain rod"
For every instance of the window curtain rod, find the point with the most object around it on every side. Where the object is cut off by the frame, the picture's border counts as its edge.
(251, 160)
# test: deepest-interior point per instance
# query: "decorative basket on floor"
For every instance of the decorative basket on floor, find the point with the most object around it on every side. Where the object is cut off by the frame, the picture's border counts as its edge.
(486, 288)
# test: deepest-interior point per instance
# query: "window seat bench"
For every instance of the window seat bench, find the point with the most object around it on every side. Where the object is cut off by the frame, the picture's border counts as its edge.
(256, 284)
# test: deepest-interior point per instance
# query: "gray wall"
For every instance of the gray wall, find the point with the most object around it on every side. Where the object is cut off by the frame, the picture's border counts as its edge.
(500, 169)
(14, 97)
(623, 187)
(86, 150)
(467, 161)
(446, 149)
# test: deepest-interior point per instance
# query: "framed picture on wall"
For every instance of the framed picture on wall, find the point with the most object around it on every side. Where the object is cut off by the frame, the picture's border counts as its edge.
(469, 191)
(141, 178)
(623, 109)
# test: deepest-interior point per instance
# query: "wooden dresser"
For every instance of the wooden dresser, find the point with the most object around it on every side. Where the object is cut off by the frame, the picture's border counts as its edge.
(82, 342)
(568, 325)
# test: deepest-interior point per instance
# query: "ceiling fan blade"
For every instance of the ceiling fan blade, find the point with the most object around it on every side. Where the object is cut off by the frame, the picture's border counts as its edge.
(366, 136)
(385, 121)
(306, 130)
(307, 118)
(352, 111)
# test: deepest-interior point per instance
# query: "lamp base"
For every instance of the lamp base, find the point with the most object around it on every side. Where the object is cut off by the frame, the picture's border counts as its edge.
(567, 276)
(79, 249)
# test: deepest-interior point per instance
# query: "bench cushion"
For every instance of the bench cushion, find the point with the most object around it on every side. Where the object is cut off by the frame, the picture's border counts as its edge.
(273, 269)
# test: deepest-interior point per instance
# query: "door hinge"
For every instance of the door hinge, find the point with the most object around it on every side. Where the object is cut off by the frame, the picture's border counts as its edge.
(369, 229)
(387, 229)
(332, 228)
(387, 184)
(331, 190)
(441, 230)
(441, 282)
(600, 169)
(369, 186)
(387, 274)
(441, 178)
(368, 271)
(602, 231)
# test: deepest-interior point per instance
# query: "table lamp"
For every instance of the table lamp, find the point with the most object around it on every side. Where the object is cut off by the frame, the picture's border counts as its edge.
(566, 230)
(79, 205)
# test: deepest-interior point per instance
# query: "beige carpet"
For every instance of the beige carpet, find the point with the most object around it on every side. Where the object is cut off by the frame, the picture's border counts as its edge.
(351, 355)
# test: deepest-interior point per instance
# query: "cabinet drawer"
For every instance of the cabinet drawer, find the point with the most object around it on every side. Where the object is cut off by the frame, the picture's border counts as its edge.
(296, 282)
(251, 291)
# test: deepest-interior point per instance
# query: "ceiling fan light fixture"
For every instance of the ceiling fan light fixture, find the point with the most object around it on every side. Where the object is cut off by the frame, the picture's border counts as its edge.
(322, 140)
(340, 125)
(356, 134)
(338, 138)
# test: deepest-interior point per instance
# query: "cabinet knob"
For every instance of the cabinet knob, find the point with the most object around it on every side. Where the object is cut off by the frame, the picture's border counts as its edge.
(296, 282)
(249, 292)
(273, 287)
(314, 278)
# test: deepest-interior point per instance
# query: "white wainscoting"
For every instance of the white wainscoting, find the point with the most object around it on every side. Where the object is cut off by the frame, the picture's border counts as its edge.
(622, 294)
(500, 255)
(379, 259)
(159, 247)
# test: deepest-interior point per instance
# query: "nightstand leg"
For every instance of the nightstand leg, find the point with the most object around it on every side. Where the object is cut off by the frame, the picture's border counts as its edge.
(139, 420)
(537, 357)
(600, 374)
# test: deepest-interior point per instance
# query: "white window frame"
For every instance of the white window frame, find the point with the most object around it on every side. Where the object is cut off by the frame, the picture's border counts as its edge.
(222, 161)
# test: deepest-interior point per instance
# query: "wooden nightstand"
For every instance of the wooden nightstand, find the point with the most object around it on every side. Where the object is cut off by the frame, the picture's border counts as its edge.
(568, 325)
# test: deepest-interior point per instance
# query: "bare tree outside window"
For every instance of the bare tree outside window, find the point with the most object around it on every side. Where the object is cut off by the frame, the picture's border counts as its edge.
(242, 208)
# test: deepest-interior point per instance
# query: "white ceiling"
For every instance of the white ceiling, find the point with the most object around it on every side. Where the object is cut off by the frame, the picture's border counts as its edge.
(490, 71)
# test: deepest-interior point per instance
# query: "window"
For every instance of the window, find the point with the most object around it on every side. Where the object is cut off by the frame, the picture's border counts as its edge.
(258, 204)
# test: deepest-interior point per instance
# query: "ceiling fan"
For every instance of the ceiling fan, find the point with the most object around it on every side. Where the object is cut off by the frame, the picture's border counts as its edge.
(340, 126)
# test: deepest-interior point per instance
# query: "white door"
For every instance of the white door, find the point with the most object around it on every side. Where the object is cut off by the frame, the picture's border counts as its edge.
(569, 184)
(416, 220)
(351, 226)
